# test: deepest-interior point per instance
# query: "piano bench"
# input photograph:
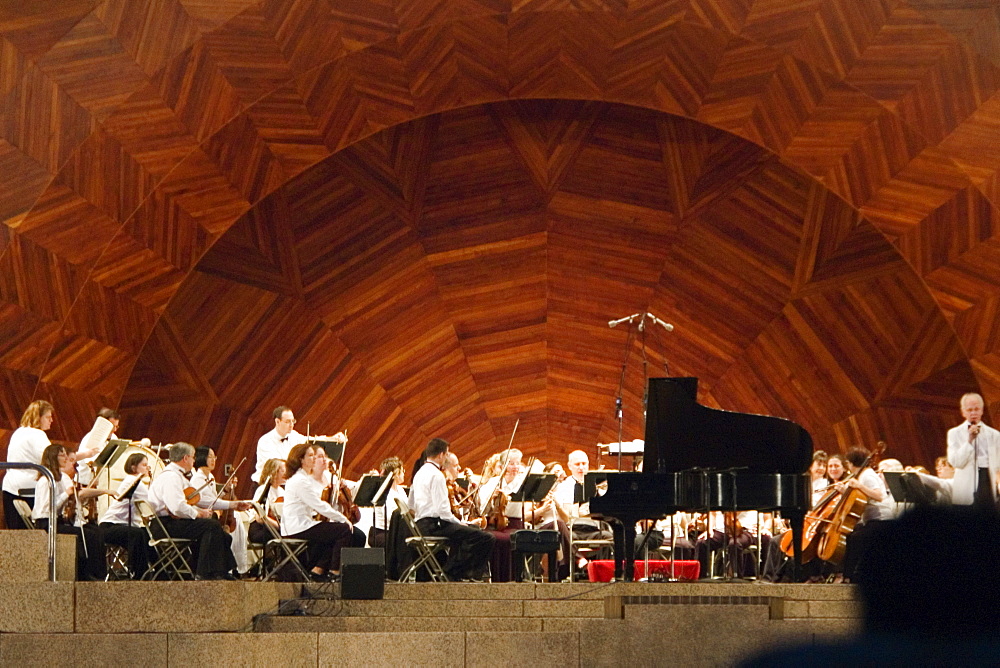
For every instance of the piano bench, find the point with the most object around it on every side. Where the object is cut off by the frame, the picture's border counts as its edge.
(526, 542)
(602, 570)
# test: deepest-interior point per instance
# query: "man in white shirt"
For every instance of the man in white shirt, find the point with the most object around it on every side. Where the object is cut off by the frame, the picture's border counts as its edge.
(276, 443)
(974, 451)
(468, 547)
(567, 496)
(215, 559)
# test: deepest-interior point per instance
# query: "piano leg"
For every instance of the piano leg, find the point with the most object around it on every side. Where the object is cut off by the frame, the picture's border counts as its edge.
(625, 543)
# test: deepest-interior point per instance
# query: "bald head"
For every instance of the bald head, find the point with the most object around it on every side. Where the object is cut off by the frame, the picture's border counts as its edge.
(578, 464)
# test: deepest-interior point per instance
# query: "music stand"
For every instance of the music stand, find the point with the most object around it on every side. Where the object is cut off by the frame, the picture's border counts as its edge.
(127, 494)
(534, 487)
(110, 454)
(903, 492)
(372, 492)
(590, 482)
(334, 449)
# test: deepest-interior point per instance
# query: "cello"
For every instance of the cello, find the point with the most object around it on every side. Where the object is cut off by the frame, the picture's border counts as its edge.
(832, 545)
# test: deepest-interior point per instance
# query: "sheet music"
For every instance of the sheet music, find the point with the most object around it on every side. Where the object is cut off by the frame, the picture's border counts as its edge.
(99, 435)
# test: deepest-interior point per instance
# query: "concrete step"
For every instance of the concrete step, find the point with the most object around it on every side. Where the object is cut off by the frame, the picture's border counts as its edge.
(402, 608)
(341, 624)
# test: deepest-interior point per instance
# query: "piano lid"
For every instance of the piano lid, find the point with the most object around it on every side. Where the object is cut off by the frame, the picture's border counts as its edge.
(681, 434)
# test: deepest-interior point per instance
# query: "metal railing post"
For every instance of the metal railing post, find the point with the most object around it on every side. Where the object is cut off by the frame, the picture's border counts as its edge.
(52, 507)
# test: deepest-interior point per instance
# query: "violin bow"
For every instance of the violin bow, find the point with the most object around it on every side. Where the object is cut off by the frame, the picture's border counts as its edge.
(506, 458)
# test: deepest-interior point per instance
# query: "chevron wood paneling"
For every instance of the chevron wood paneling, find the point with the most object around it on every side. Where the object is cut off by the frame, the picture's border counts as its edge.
(415, 217)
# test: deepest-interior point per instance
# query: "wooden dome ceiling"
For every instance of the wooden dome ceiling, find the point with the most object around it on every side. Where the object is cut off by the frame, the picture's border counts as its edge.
(415, 218)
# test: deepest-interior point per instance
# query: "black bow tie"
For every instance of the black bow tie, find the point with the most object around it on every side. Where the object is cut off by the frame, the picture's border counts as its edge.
(284, 439)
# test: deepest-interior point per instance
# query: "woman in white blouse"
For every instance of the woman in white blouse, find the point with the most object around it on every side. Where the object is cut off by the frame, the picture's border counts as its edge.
(26, 445)
(91, 557)
(121, 523)
(203, 479)
(303, 503)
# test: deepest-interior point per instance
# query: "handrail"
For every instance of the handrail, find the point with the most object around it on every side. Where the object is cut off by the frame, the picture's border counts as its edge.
(52, 507)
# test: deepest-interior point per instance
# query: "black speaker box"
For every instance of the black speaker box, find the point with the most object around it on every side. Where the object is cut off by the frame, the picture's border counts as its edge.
(363, 573)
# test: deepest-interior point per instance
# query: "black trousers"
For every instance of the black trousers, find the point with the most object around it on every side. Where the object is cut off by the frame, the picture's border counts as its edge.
(10, 515)
(132, 539)
(326, 540)
(214, 554)
(469, 548)
(92, 558)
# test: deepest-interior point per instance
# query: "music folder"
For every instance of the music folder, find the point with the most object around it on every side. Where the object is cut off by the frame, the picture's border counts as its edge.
(534, 487)
(334, 449)
(372, 490)
(111, 452)
(590, 482)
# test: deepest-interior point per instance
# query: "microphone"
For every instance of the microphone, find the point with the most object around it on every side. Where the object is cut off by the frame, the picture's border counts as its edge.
(628, 318)
(666, 325)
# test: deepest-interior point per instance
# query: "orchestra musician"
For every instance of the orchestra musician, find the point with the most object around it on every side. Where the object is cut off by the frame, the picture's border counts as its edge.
(181, 519)
(203, 479)
(817, 475)
(277, 443)
(90, 551)
(85, 458)
(26, 445)
(380, 524)
(121, 523)
(566, 494)
(869, 483)
(273, 479)
(974, 452)
(306, 466)
(469, 547)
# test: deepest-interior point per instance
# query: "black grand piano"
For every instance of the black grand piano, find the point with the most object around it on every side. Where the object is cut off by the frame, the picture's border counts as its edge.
(701, 459)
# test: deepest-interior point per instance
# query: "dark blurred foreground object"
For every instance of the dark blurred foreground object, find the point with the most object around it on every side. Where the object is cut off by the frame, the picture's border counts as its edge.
(930, 588)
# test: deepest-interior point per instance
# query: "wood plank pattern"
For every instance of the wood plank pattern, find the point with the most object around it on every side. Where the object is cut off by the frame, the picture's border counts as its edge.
(439, 205)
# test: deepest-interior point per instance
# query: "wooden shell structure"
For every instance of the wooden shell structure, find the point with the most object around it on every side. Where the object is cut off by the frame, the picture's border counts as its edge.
(415, 218)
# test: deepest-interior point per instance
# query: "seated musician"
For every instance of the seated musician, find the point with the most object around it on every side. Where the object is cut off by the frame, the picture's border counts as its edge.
(469, 547)
(869, 483)
(341, 494)
(90, 552)
(121, 523)
(817, 475)
(503, 517)
(304, 508)
(214, 555)
(203, 480)
(557, 469)
(269, 492)
(380, 525)
(566, 494)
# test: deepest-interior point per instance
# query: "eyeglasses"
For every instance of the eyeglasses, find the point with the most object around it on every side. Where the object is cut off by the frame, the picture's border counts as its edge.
(287, 421)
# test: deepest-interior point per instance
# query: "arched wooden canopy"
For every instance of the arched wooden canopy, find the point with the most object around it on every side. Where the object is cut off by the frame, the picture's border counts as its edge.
(414, 218)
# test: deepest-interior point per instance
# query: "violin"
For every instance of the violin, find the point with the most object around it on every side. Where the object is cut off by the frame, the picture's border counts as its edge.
(495, 511)
(227, 518)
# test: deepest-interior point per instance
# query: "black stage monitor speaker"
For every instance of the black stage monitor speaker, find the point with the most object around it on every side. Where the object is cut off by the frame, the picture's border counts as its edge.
(363, 571)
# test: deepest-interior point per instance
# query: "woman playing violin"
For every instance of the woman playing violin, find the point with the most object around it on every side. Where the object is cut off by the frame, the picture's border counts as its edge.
(271, 491)
(203, 479)
(91, 558)
(121, 522)
(306, 466)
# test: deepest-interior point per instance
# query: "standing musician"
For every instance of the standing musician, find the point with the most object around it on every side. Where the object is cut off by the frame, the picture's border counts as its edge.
(271, 491)
(26, 445)
(121, 523)
(469, 547)
(90, 551)
(974, 451)
(380, 524)
(203, 479)
(84, 457)
(276, 443)
(181, 519)
(307, 466)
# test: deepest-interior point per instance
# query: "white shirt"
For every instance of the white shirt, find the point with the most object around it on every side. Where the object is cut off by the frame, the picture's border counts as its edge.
(208, 493)
(64, 487)
(487, 489)
(118, 511)
(566, 493)
(166, 494)
(819, 489)
(273, 494)
(272, 446)
(26, 445)
(429, 494)
(876, 510)
(85, 474)
(302, 501)
(395, 492)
